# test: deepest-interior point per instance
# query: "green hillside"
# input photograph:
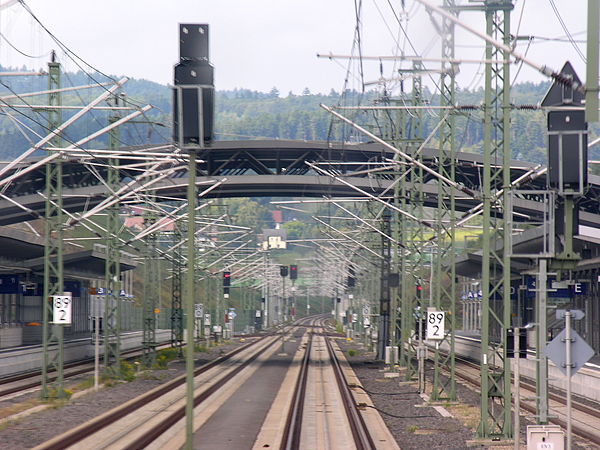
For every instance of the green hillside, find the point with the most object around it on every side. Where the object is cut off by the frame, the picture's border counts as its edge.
(246, 114)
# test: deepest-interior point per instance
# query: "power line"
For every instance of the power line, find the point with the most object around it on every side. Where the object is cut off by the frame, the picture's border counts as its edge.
(20, 51)
(567, 32)
(75, 57)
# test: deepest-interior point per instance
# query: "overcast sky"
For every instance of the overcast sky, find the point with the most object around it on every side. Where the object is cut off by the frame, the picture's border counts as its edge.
(259, 44)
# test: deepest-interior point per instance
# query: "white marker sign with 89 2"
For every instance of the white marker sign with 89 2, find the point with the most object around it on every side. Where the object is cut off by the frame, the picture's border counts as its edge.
(435, 325)
(61, 309)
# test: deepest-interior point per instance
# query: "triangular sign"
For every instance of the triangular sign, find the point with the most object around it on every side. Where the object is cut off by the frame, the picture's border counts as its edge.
(561, 95)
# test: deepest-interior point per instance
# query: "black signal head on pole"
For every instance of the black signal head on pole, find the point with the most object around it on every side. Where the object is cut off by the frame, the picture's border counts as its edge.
(283, 271)
(226, 278)
(293, 272)
(194, 89)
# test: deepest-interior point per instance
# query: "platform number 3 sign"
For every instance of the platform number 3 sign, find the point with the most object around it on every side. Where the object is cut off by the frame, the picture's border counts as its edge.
(61, 309)
(435, 325)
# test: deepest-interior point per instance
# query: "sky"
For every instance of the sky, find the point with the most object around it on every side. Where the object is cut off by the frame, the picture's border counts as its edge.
(261, 44)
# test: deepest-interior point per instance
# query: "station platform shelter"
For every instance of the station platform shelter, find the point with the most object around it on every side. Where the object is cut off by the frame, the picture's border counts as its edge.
(578, 288)
(21, 288)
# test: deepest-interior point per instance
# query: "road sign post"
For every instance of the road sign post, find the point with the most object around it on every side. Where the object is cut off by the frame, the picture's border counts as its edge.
(517, 376)
(569, 352)
(568, 364)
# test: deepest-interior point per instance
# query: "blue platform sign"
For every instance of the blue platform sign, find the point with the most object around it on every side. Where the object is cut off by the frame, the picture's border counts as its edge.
(557, 290)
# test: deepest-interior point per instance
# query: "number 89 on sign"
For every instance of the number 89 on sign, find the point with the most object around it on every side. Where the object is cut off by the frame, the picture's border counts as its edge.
(435, 325)
(61, 309)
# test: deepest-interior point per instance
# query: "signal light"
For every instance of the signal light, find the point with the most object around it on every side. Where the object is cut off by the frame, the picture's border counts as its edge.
(226, 278)
(419, 290)
(293, 272)
(283, 271)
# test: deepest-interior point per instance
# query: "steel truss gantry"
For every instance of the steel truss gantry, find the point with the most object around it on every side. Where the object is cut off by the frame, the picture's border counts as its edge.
(384, 333)
(496, 419)
(176, 292)
(151, 294)
(444, 270)
(53, 335)
(112, 278)
(411, 232)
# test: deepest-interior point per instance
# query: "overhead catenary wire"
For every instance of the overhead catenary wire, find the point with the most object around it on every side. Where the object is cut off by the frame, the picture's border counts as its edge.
(541, 68)
(77, 59)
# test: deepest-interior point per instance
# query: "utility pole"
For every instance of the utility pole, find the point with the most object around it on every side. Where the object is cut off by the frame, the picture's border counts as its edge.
(444, 296)
(151, 294)
(383, 336)
(176, 290)
(193, 114)
(593, 44)
(112, 271)
(495, 407)
(53, 335)
(411, 232)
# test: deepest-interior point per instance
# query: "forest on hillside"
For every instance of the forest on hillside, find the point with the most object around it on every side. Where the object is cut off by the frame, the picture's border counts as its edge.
(247, 114)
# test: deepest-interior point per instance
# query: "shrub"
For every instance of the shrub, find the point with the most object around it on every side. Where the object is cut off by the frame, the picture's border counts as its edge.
(128, 371)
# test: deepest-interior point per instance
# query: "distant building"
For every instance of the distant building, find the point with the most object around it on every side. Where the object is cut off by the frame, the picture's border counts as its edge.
(274, 239)
(277, 217)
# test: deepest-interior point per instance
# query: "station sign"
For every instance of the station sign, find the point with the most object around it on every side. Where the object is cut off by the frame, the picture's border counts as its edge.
(474, 295)
(557, 289)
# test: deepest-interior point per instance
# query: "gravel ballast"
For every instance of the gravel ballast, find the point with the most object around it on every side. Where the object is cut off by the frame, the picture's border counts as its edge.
(34, 429)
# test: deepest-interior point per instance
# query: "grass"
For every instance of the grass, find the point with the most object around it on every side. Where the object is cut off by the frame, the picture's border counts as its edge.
(164, 356)
(56, 394)
(16, 408)
(467, 414)
(353, 352)
(87, 383)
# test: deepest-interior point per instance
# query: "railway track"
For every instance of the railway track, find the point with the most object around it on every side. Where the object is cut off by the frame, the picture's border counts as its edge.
(25, 382)
(156, 410)
(315, 376)
(321, 416)
(585, 420)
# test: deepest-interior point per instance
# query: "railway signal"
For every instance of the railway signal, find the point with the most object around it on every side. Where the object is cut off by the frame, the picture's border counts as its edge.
(522, 344)
(283, 271)
(351, 282)
(226, 279)
(293, 272)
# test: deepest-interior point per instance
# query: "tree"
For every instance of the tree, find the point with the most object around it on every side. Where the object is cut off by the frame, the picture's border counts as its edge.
(274, 92)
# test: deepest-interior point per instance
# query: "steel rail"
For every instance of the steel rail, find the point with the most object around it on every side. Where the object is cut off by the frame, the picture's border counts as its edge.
(81, 432)
(145, 440)
(360, 432)
(293, 425)
(577, 429)
(132, 353)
